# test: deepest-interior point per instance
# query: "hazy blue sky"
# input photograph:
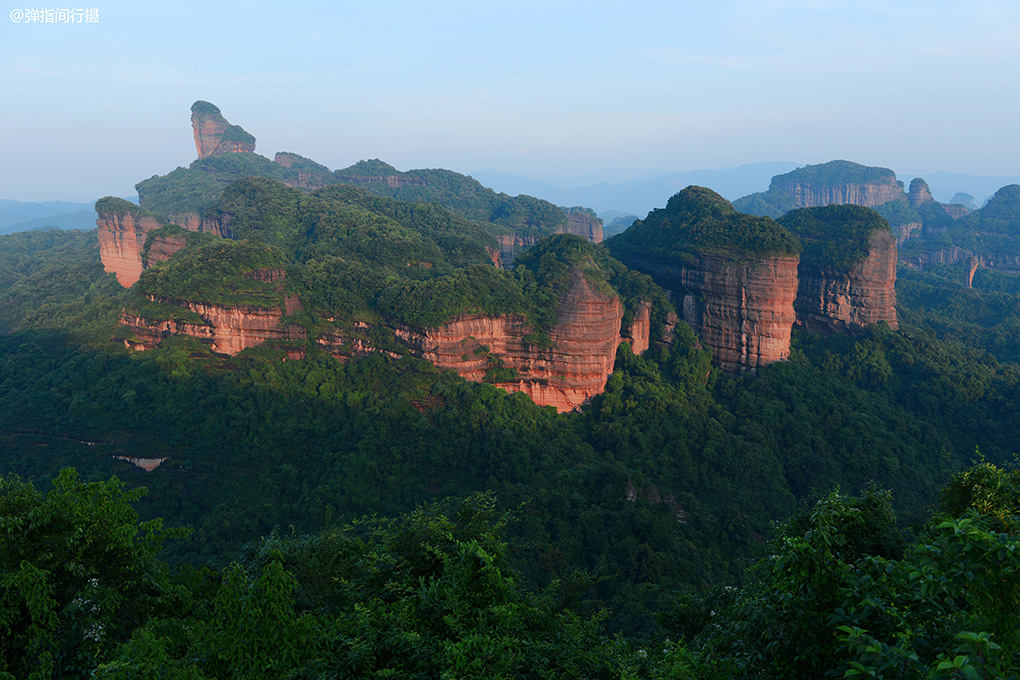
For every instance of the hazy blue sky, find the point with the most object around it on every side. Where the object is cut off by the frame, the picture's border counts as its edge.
(571, 92)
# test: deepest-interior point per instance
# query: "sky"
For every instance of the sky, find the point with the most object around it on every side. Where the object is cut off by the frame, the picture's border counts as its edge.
(573, 93)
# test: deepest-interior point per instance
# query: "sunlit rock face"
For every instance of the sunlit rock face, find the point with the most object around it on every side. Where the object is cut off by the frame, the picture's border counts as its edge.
(121, 240)
(564, 372)
(214, 136)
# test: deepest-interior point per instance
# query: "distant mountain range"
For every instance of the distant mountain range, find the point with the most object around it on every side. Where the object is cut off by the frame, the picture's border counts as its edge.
(638, 196)
(634, 197)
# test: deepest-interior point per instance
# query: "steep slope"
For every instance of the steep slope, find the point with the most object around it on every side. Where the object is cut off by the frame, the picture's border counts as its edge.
(733, 275)
(847, 270)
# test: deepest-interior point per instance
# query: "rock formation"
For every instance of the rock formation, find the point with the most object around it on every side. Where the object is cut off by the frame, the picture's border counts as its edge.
(228, 330)
(806, 194)
(565, 374)
(742, 310)
(919, 193)
(124, 228)
(847, 268)
(584, 223)
(303, 173)
(122, 231)
(214, 136)
(733, 276)
(846, 300)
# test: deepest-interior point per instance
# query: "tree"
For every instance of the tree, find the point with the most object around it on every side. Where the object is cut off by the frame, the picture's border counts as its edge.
(78, 573)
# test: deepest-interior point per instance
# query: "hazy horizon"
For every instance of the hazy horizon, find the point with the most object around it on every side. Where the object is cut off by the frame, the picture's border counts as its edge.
(572, 94)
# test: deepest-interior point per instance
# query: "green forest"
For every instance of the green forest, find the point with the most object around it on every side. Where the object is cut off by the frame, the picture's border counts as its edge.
(850, 512)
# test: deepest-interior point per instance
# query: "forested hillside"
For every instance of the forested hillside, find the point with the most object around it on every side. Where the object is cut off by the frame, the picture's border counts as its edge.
(648, 504)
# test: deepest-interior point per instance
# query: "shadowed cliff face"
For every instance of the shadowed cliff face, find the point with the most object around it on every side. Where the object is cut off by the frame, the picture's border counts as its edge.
(742, 310)
(845, 300)
(565, 374)
(870, 194)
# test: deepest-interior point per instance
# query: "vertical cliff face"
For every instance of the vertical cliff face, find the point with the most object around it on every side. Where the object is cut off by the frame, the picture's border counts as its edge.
(228, 330)
(742, 310)
(584, 224)
(639, 332)
(919, 193)
(214, 136)
(565, 374)
(733, 275)
(162, 248)
(121, 239)
(846, 300)
(810, 194)
(579, 222)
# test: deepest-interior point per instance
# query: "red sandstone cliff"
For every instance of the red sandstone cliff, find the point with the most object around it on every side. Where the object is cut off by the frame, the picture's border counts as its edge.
(810, 194)
(214, 136)
(567, 373)
(579, 222)
(121, 239)
(742, 310)
(837, 300)
(228, 330)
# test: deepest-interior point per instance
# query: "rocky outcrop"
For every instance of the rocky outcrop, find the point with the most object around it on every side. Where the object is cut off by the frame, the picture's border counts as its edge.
(919, 193)
(124, 228)
(955, 210)
(579, 221)
(563, 373)
(214, 136)
(228, 330)
(847, 299)
(870, 194)
(162, 248)
(742, 310)
(121, 240)
(584, 223)
(303, 173)
(639, 332)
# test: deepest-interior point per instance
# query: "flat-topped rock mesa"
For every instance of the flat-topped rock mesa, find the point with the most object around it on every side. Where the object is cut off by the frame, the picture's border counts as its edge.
(214, 136)
(847, 270)
(838, 182)
(733, 275)
(833, 183)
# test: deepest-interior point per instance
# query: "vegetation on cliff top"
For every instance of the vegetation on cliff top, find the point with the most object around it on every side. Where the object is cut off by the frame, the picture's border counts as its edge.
(698, 221)
(112, 204)
(220, 272)
(236, 133)
(834, 236)
(199, 186)
(204, 107)
(835, 173)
